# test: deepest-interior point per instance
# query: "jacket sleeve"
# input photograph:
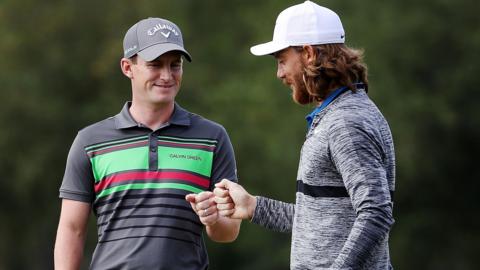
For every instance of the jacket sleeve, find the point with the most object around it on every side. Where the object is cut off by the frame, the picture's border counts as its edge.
(274, 215)
(357, 152)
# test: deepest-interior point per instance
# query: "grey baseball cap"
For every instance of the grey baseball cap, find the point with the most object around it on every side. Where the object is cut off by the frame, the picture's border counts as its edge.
(152, 37)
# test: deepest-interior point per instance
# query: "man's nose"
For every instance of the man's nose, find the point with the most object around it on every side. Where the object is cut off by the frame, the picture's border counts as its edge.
(165, 74)
(280, 73)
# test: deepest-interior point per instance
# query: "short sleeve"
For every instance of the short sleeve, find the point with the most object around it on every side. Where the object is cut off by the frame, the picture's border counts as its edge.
(78, 179)
(224, 165)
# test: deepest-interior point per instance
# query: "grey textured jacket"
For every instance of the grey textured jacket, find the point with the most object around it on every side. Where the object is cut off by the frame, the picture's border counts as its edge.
(346, 177)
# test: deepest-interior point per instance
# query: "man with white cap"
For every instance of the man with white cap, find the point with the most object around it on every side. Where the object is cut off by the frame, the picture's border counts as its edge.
(144, 169)
(346, 177)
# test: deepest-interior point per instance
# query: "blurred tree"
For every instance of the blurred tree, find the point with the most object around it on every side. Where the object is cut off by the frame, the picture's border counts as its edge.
(60, 72)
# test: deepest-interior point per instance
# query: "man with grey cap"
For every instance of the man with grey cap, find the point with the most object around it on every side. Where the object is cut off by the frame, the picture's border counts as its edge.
(346, 177)
(148, 172)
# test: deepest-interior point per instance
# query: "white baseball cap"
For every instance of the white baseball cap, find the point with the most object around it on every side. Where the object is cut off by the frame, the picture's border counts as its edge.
(303, 24)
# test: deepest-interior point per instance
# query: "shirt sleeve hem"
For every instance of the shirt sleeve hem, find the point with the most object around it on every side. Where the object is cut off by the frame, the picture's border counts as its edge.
(75, 195)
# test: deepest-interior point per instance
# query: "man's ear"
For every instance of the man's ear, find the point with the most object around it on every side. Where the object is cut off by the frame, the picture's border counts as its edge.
(126, 66)
(308, 54)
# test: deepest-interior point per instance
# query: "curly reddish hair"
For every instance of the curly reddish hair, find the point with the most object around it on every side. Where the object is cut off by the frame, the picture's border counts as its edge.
(335, 65)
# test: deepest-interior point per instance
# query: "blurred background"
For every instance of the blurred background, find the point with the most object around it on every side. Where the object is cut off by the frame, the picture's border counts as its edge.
(60, 72)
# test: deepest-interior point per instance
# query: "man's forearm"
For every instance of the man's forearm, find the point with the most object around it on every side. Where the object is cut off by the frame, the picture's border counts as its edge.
(224, 230)
(68, 252)
(274, 215)
(72, 229)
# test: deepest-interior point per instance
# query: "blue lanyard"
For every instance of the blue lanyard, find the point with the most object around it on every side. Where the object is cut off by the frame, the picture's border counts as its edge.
(327, 101)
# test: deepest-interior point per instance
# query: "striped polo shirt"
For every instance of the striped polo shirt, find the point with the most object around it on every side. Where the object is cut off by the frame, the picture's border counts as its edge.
(136, 180)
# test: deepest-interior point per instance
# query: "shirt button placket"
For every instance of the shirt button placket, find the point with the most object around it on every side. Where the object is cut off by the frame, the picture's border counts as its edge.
(152, 153)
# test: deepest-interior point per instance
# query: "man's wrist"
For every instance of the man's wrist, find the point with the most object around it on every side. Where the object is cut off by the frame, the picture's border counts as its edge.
(251, 206)
(212, 223)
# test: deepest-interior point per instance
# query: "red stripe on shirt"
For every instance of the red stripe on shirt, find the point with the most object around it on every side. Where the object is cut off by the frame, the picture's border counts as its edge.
(151, 175)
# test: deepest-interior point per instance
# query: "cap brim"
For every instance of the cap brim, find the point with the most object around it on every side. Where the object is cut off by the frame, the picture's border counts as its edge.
(268, 48)
(152, 52)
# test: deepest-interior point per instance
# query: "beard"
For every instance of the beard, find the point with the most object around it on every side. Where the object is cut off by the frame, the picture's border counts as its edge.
(300, 93)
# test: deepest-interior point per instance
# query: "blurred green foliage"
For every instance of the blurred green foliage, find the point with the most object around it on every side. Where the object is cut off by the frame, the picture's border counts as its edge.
(60, 71)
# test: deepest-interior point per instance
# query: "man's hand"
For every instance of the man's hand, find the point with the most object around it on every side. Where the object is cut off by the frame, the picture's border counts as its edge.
(204, 205)
(233, 200)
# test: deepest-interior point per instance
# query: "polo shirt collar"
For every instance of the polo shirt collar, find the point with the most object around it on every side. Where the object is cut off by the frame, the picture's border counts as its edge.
(125, 120)
(180, 116)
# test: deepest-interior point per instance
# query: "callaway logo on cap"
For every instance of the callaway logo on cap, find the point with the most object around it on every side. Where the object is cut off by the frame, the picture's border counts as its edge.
(303, 24)
(152, 37)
